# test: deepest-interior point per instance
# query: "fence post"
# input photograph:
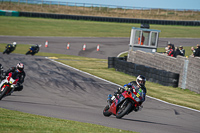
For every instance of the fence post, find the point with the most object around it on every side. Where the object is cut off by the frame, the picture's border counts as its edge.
(158, 11)
(175, 12)
(41, 3)
(184, 78)
(150, 11)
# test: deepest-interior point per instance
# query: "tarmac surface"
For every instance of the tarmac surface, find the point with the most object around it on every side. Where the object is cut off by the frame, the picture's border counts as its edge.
(109, 47)
(54, 90)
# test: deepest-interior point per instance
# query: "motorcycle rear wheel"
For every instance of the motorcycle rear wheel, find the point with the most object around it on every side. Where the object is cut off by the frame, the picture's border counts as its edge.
(4, 92)
(124, 109)
(106, 112)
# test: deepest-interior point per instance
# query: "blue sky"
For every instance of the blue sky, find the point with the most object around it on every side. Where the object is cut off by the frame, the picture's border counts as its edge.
(169, 4)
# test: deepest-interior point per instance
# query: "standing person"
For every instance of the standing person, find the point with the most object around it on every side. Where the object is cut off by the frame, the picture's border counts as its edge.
(196, 52)
(177, 52)
(142, 39)
(170, 50)
(182, 50)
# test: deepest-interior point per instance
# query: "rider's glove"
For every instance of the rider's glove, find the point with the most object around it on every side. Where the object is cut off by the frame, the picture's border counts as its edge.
(121, 90)
(126, 88)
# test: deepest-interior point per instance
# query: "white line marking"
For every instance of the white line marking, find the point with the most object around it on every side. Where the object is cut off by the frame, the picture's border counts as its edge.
(120, 85)
(122, 53)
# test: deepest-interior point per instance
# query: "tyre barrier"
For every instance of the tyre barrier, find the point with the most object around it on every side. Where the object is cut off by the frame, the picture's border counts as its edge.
(162, 77)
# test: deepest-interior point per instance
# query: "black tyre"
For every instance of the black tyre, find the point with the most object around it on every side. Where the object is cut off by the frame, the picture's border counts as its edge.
(4, 52)
(4, 92)
(27, 52)
(126, 107)
(106, 112)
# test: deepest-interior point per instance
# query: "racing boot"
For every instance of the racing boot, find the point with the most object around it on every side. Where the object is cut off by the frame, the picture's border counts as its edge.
(136, 109)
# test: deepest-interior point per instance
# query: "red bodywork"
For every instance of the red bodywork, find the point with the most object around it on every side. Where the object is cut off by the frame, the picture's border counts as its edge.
(8, 78)
(127, 95)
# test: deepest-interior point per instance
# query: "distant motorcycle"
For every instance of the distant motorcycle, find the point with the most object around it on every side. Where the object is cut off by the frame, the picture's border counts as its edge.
(124, 104)
(33, 50)
(9, 48)
(7, 85)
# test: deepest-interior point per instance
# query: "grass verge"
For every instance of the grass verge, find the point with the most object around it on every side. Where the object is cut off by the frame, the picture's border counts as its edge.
(18, 122)
(23, 26)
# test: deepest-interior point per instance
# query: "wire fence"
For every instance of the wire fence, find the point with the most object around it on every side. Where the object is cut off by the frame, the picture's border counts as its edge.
(100, 10)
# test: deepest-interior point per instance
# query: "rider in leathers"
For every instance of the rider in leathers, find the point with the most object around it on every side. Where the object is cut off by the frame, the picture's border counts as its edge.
(17, 72)
(11, 47)
(137, 86)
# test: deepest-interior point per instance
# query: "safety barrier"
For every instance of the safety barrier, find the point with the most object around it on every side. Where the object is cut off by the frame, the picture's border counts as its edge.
(9, 13)
(110, 19)
(162, 77)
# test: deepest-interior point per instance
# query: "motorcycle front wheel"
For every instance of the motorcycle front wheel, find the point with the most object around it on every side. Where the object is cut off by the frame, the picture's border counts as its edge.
(4, 92)
(124, 109)
(4, 51)
(27, 52)
(106, 112)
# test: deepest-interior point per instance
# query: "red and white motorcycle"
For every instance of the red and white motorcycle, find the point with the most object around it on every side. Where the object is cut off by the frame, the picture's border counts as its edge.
(7, 85)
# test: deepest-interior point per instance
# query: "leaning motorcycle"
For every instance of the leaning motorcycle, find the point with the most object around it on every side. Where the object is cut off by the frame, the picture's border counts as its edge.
(7, 85)
(123, 104)
(9, 49)
(32, 50)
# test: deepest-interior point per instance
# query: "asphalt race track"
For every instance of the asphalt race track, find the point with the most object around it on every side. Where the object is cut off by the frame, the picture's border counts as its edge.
(109, 47)
(55, 90)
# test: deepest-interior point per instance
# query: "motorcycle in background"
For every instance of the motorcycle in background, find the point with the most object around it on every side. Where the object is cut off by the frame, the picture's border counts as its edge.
(33, 49)
(10, 48)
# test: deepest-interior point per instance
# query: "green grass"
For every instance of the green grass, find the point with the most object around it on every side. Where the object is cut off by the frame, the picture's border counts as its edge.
(18, 122)
(22, 26)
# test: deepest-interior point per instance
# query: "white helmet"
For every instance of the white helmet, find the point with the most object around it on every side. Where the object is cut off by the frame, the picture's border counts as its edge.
(140, 81)
(14, 43)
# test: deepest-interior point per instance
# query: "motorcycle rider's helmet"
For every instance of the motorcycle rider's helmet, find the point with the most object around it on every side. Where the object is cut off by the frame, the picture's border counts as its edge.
(20, 67)
(140, 80)
(14, 43)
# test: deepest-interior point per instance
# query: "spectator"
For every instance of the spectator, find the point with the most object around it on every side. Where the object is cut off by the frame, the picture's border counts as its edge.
(196, 52)
(177, 52)
(182, 50)
(166, 50)
(171, 50)
(142, 40)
